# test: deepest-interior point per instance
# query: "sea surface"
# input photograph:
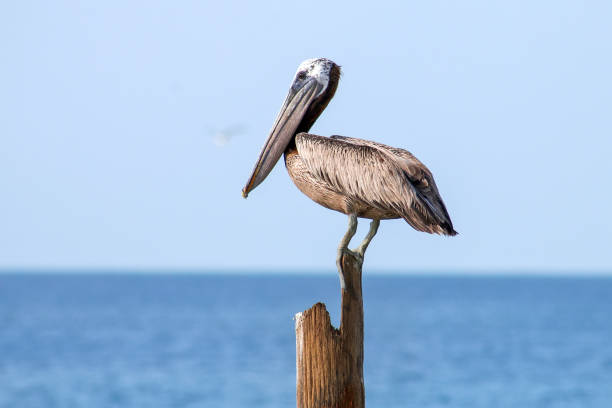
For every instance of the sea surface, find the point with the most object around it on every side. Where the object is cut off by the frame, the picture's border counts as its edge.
(172, 340)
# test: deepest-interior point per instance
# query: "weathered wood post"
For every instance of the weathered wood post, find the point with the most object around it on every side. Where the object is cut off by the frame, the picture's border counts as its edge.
(329, 361)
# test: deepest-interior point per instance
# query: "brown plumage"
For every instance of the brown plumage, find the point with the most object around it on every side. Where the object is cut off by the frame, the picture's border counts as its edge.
(357, 177)
(369, 179)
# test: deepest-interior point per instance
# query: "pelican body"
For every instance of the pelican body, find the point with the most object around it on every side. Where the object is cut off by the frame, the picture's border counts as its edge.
(356, 177)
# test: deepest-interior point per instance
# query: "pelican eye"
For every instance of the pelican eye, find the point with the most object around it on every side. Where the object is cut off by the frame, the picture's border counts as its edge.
(301, 75)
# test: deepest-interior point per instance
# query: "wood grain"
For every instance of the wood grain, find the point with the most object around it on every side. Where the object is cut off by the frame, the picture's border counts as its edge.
(329, 361)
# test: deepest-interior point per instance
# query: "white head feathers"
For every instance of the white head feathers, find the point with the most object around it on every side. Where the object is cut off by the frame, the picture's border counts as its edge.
(317, 68)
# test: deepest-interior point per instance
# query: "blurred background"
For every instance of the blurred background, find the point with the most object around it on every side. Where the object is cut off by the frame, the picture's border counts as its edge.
(134, 274)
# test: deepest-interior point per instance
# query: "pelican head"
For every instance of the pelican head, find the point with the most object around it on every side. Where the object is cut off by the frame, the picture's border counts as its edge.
(313, 86)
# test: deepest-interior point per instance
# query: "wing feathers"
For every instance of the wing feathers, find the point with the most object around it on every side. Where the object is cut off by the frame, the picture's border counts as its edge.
(382, 176)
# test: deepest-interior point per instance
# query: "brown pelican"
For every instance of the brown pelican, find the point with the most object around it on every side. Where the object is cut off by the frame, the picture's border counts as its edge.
(357, 177)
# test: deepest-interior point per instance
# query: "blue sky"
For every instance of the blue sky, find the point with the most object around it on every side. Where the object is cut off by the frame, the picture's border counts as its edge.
(110, 114)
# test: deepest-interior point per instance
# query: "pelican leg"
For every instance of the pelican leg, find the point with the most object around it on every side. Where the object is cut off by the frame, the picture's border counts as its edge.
(346, 239)
(366, 241)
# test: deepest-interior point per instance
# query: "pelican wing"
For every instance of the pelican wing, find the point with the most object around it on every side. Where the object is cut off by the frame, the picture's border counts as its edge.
(417, 173)
(382, 176)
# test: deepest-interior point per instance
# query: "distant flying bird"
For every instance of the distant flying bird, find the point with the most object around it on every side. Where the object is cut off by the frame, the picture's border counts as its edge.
(357, 177)
(222, 137)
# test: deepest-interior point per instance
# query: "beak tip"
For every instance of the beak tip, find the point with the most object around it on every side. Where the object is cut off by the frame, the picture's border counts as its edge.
(245, 194)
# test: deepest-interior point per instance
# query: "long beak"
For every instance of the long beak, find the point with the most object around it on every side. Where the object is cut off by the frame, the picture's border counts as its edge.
(288, 119)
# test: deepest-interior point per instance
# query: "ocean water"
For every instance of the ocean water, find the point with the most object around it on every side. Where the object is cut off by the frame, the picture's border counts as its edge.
(228, 341)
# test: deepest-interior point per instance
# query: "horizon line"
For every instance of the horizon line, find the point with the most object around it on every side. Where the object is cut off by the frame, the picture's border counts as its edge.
(205, 271)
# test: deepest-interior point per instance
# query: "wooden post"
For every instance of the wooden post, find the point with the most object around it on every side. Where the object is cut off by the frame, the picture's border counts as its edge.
(329, 361)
